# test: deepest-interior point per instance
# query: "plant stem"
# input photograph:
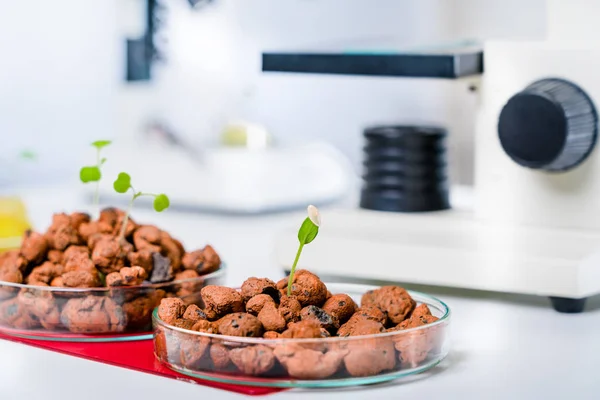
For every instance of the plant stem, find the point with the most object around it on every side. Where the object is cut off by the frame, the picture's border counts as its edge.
(126, 219)
(97, 191)
(97, 198)
(291, 278)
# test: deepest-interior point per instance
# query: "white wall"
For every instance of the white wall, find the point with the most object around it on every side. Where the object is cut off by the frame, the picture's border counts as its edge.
(61, 64)
(59, 75)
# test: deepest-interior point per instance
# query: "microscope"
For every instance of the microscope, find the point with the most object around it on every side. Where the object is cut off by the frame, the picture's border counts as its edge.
(533, 226)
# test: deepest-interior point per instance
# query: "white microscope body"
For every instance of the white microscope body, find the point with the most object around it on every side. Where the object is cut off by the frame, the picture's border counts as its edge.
(534, 226)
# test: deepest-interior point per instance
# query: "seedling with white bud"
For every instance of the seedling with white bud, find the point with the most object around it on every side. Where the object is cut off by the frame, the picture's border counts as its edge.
(307, 233)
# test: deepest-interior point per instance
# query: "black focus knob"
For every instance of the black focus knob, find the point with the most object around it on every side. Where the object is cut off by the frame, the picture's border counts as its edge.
(551, 125)
(405, 169)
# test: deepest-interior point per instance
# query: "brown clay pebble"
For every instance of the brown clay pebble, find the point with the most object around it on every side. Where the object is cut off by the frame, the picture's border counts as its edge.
(271, 318)
(282, 283)
(81, 279)
(192, 350)
(14, 313)
(372, 312)
(171, 250)
(74, 252)
(202, 261)
(127, 276)
(255, 286)
(109, 215)
(38, 303)
(194, 313)
(162, 271)
(304, 363)
(221, 300)
(308, 289)
(184, 323)
(190, 284)
(87, 230)
(8, 259)
(142, 258)
(79, 262)
(318, 314)
(303, 330)
(171, 309)
(256, 303)
(110, 255)
(133, 276)
(147, 237)
(393, 300)
(253, 360)
(193, 260)
(10, 310)
(348, 328)
(11, 275)
(55, 256)
(203, 325)
(289, 308)
(93, 314)
(369, 356)
(212, 261)
(415, 321)
(271, 335)
(34, 247)
(420, 310)
(78, 218)
(340, 306)
(240, 324)
(219, 356)
(186, 274)
(61, 234)
(413, 347)
(96, 238)
(57, 282)
(139, 310)
(44, 274)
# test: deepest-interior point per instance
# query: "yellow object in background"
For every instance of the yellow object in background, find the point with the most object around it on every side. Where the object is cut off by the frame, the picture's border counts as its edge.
(245, 135)
(13, 222)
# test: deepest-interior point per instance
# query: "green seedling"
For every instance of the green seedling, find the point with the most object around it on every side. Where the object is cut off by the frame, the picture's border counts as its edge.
(307, 233)
(28, 155)
(92, 173)
(123, 184)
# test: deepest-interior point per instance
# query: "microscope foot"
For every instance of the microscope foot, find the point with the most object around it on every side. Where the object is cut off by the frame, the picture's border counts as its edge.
(568, 306)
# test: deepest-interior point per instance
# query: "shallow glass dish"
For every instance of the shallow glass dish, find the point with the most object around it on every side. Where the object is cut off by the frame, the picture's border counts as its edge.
(90, 314)
(326, 362)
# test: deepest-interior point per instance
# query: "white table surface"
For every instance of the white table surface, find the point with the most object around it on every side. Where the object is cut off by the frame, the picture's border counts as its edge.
(503, 346)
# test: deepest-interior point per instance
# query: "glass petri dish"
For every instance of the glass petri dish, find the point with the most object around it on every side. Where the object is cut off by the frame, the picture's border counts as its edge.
(91, 314)
(307, 363)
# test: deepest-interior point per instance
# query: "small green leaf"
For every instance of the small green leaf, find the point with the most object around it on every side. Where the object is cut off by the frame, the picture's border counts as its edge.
(308, 231)
(90, 174)
(101, 143)
(103, 160)
(161, 202)
(28, 155)
(122, 183)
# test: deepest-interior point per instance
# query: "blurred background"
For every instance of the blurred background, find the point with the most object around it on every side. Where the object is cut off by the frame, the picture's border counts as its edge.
(65, 66)
(179, 87)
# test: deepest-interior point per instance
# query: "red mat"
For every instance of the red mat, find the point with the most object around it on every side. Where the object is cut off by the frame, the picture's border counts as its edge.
(135, 355)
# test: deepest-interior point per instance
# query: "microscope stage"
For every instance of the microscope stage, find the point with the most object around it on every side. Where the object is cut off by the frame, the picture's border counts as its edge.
(453, 249)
